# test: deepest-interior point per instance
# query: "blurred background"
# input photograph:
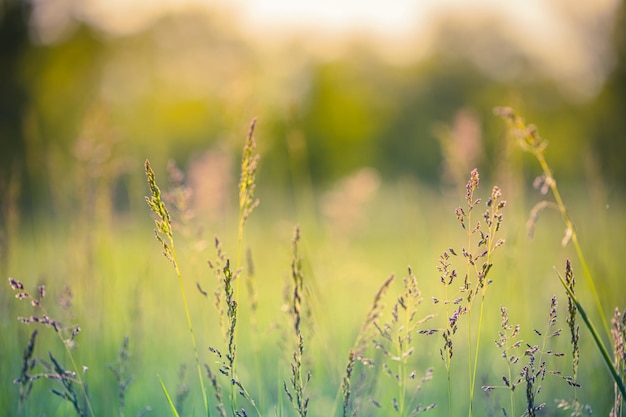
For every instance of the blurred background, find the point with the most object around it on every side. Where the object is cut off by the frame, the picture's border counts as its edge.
(370, 116)
(336, 86)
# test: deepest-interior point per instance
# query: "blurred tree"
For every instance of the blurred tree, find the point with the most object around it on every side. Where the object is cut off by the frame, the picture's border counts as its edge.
(62, 81)
(14, 96)
(344, 114)
(189, 81)
(14, 99)
(431, 94)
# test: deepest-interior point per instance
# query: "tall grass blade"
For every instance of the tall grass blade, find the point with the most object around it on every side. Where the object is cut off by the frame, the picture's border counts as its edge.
(169, 399)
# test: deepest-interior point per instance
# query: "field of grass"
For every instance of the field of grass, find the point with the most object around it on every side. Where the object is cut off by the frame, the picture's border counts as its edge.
(288, 315)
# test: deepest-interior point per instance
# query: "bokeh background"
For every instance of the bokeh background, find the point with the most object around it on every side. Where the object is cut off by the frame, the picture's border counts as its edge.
(340, 85)
(370, 116)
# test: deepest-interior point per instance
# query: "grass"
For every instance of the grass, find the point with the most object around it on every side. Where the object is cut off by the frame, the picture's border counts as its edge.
(319, 330)
(165, 235)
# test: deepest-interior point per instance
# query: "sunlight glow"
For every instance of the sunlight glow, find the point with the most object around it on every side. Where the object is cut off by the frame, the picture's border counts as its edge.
(556, 34)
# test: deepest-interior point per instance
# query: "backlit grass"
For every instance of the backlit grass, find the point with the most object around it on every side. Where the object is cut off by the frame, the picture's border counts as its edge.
(310, 322)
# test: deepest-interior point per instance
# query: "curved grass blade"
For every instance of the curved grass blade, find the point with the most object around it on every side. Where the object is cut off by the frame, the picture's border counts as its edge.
(169, 399)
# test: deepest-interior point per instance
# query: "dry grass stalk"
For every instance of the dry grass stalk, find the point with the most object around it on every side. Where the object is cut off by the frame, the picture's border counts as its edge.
(394, 340)
(247, 185)
(509, 343)
(228, 361)
(619, 354)
(165, 235)
(361, 343)
(298, 381)
(27, 379)
(573, 406)
(119, 371)
(74, 387)
(481, 243)
(533, 365)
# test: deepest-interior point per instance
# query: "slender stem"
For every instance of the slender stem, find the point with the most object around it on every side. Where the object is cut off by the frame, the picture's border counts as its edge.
(447, 359)
(469, 313)
(506, 337)
(480, 323)
(164, 228)
(449, 395)
(574, 237)
(511, 392)
(403, 375)
(469, 362)
(193, 336)
(491, 244)
(531, 142)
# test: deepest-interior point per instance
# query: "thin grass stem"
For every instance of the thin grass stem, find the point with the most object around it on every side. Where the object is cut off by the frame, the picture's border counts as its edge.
(530, 141)
(164, 228)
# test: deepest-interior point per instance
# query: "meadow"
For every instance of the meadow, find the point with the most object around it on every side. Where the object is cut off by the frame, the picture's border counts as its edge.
(394, 299)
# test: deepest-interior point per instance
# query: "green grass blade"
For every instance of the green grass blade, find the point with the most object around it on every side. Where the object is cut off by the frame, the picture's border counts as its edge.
(596, 337)
(169, 399)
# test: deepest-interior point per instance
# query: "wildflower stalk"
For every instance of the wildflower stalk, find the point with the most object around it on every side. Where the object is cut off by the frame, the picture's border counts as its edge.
(530, 141)
(165, 235)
